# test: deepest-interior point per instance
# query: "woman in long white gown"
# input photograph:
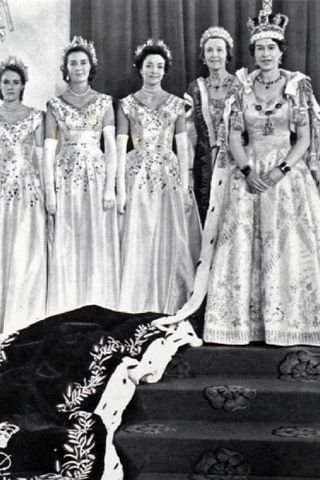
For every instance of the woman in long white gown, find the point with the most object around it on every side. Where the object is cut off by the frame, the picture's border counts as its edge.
(80, 189)
(260, 260)
(23, 259)
(157, 257)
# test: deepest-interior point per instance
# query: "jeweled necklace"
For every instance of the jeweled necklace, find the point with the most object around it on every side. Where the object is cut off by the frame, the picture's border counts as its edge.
(267, 84)
(150, 94)
(83, 94)
(215, 81)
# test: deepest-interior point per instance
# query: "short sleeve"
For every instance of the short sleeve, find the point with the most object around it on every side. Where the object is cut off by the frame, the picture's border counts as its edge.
(236, 116)
(37, 118)
(300, 109)
(52, 107)
(125, 104)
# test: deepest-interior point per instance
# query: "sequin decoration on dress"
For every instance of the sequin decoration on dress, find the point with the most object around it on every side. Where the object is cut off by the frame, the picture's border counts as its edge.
(157, 258)
(265, 280)
(23, 259)
(84, 253)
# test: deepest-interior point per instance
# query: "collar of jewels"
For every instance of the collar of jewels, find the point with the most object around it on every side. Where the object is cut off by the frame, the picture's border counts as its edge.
(216, 32)
(154, 43)
(263, 28)
(16, 62)
(78, 41)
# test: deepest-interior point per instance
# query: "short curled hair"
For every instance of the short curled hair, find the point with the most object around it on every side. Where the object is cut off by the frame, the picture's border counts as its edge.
(229, 51)
(282, 44)
(20, 72)
(64, 66)
(152, 50)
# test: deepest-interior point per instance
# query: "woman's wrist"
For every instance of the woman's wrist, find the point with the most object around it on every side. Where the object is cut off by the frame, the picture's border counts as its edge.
(246, 170)
(284, 168)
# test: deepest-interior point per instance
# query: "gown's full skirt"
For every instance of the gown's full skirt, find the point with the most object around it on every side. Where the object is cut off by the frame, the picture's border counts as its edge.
(265, 281)
(84, 244)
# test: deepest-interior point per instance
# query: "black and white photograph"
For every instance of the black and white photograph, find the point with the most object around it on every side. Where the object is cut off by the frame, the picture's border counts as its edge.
(159, 240)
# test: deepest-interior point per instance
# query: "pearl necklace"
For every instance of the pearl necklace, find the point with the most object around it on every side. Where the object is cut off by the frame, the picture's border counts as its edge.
(83, 94)
(150, 94)
(267, 84)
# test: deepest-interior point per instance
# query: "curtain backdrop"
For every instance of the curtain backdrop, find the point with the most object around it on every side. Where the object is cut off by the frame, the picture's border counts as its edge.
(118, 26)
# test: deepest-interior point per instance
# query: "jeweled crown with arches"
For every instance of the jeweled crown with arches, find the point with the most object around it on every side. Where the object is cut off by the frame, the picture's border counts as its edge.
(264, 27)
(154, 43)
(78, 41)
(14, 61)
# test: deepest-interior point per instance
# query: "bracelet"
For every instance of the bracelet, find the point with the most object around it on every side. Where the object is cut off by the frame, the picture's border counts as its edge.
(284, 168)
(246, 170)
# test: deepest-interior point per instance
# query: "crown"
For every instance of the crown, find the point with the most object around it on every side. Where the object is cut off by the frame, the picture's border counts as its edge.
(216, 32)
(154, 43)
(78, 41)
(265, 27)
(14, 61)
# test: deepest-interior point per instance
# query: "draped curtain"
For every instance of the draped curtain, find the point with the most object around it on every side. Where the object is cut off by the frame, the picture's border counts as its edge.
(118, 26)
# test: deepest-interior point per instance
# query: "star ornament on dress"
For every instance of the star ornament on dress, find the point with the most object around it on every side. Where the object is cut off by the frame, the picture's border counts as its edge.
(12, 61)
(78, 41)
(216, 32)
(154, 43)
(265, 27)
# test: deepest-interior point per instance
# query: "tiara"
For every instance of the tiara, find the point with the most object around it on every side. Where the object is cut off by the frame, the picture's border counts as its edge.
(216, 32)
(78, 41)
(263, 27)
(14, 61)
(154, 43)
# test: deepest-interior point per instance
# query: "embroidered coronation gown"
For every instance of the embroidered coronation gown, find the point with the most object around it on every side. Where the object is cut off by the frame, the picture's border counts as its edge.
(23, 273)
(265, 277)
(84, 248)
(160, 242)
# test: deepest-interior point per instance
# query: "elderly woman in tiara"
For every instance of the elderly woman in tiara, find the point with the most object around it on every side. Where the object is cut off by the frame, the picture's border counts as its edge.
(260, 260)
(157, 259)
(80, 188)
(207, 98)
(23, 260)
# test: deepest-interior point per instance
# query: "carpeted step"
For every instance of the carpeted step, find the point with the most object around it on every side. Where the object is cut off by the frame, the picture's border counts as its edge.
(227, 398)
(267, 449)
(251, 360)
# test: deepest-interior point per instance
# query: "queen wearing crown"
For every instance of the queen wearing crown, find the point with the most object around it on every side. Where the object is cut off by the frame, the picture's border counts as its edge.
(23, 274)
(157, 258)
(206, 98)
(260, 259)
(80, 189)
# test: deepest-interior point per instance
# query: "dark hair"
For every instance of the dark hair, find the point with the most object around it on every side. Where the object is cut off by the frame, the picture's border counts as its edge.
(64, 66)
(20, 72)
(282, 44)
(152, 50)
(229, 54)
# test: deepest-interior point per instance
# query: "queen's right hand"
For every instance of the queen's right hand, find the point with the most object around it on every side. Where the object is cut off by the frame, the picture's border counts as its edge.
(255, 183)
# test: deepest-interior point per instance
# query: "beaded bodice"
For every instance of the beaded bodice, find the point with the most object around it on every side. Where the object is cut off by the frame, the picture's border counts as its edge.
(152, 128)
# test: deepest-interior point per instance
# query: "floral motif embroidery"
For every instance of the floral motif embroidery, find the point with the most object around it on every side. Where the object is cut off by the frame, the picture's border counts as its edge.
(152, 164)
(18, 177)
(79, 458)
(300, 366)
(101, 353)
(221, 462)
(229, 397)
(80, 160)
